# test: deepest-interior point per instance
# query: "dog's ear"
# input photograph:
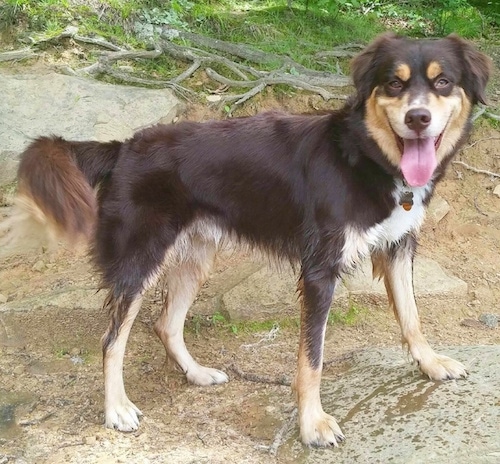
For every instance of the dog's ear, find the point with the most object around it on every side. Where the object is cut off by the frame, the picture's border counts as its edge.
(477, 67)
(365, 65)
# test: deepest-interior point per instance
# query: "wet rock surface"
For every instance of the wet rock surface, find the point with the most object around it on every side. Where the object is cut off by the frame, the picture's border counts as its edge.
(391, 414)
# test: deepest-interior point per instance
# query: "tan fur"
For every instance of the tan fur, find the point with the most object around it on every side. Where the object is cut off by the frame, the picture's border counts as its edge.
(385, 119)
(398, 280)
(183, 282)
(434, 70)
(377, 123)
(316, 427)
(456, 123)
(120, 412)
(403, 71)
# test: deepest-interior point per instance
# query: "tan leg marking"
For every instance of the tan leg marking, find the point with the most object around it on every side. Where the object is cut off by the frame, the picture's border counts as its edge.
(120, 412)
(183, 282)
(317, 428)
(398, 280)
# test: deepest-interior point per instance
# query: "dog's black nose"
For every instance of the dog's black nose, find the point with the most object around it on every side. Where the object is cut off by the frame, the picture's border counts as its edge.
(418, 119)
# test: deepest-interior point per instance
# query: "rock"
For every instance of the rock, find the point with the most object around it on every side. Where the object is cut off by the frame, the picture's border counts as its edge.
(266, 293)
(472, 323)
(84, 298)
(496, 191)
(429, 280)
(438, 209)
(3, 299)
(74, 108)
(253, 291)
(18, 370)
(39, 266)
(75, 351)
(383, 399)
(490, 320)
(90, 440)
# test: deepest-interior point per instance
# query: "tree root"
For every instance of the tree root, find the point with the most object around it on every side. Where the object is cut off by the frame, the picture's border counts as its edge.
(205, 53)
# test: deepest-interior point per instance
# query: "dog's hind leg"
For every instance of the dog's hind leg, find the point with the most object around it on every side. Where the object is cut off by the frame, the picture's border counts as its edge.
(120, 412)
(183, 281)
(396, 267)
(317, 428)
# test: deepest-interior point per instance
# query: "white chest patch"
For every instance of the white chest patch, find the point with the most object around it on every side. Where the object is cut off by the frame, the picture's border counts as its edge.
(362, 242)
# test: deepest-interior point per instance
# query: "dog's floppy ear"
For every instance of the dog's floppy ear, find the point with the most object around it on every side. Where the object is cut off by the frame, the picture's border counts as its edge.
(477, 66)
(365, 65)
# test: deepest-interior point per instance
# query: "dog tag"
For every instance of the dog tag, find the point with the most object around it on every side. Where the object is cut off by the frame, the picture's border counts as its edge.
(406, 200)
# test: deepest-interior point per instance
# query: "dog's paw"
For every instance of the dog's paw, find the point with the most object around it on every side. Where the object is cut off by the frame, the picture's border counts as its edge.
(204, 376)
(320, 430)
(123, 416)
(440, 367)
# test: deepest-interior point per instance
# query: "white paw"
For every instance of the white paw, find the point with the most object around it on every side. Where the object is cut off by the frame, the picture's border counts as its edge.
(320, 429)
(204, 376)
(440, 367)
(123, 416)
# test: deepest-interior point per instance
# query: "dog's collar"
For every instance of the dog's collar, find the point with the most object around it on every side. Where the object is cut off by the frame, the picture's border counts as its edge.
(406, 198)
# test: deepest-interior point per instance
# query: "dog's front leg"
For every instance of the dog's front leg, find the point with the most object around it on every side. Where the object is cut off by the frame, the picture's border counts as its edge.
(395, 265)
(316, 427)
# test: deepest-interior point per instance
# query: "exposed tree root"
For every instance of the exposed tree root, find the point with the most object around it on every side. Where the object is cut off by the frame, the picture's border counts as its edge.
(206, 53)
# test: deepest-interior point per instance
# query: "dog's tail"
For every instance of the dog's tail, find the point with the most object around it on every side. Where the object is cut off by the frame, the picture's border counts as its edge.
(57, 182)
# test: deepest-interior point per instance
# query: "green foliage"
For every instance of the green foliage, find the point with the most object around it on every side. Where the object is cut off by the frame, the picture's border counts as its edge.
(171, 15)
(350, 317)
(39, 15)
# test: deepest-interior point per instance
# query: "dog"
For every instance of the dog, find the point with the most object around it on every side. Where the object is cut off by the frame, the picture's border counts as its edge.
(318, 190)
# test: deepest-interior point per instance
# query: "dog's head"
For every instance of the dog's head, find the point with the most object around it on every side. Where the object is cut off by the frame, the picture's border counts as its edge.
(418, 96)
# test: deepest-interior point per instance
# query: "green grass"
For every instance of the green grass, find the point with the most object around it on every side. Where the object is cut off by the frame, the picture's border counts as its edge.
(270, 25)
(353, 315)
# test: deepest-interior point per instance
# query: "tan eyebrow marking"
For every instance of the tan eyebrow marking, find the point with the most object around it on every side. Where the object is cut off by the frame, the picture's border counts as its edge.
(434, 70)
(403, 71)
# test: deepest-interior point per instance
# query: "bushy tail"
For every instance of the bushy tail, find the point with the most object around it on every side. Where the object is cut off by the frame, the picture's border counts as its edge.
(56, 182)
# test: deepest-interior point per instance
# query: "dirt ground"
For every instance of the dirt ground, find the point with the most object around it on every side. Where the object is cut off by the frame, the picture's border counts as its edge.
(51, 389)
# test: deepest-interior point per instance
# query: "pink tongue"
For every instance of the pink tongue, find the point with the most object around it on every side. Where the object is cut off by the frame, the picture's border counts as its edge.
(419, 161)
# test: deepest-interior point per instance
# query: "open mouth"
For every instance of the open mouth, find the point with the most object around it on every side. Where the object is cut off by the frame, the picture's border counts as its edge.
(418, 158)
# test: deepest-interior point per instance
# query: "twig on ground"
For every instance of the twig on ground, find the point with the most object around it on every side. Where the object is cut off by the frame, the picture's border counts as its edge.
(282, 432)
(271, 335)
(477, 208)
(28, 423)
(282, 380)
(473, 169)
(479, 141)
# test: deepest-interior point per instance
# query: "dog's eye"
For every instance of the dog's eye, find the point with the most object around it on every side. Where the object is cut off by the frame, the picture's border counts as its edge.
(441, 83)
(394, 88)
(395, 85)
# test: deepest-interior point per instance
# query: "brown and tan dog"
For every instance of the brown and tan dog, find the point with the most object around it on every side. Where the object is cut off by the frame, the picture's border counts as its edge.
(319, 190)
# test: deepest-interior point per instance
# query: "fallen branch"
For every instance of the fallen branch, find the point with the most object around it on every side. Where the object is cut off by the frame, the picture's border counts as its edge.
(283, 380)
(480, 140)
(473, 169)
